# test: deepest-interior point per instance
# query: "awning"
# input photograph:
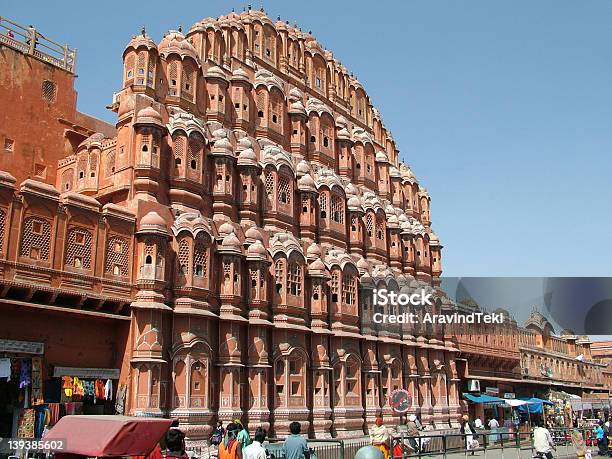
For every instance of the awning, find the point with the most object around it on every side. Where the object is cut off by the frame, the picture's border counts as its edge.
(534, 405)
(484, 398)
(108, 436)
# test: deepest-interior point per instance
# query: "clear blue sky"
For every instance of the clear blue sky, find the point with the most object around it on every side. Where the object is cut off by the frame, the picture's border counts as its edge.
(503, 109)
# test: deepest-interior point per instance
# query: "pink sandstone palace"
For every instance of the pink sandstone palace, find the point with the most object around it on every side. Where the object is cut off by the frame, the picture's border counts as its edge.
(219, 246)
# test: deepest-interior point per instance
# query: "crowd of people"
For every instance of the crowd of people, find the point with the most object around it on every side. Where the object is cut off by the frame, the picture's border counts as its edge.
(233, 441)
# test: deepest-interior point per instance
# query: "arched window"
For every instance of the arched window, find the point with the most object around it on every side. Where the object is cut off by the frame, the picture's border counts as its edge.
(284, 190)
(200, 258)
(279, 275)
(334, 286)
(172, 78)
(183, 256)
(369, 224)
(295, 279)
(349, 289)
(337, 209)
(323, 205)
(179, 147)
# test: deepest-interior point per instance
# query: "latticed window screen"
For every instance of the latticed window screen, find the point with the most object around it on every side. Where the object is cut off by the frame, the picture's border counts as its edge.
(349, 289)
(149, 251)
(227, 271)
(172, 78)
(2, 225)
(67, 177)
(323, 205)
(93, 163)
(183, 256)
(279, 275)
(261, 102)
(110, 163)
(36, 238)
(82, 166)
(337, 209)
(187, 81)
(270, 185)
(49, 91)
(380, 229)
(369, 224)
(194, 150)
(284, 190)
(354, 223)
(200, 259)
(254, 274)
(155, 152)
(295, 279)
(129, 67)
(140, 67)
(334, 284)
(151, 72)
(117, 250)
(179, 146)
(78, 248)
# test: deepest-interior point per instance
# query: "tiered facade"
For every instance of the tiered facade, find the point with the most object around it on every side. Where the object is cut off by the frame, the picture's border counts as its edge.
(238, 221)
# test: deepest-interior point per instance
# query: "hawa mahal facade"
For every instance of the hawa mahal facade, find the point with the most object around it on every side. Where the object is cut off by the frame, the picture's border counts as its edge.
(219, 245)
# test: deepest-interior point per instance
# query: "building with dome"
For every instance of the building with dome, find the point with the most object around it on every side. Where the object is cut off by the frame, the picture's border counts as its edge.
(215, 255)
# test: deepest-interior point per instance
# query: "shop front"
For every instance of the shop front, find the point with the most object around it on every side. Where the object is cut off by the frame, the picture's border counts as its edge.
(53, 364)
(34, 395)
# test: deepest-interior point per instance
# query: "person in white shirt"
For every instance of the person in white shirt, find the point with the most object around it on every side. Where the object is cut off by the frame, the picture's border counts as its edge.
(493, 424)
(256, 450)
(543, 442)
(478, 423)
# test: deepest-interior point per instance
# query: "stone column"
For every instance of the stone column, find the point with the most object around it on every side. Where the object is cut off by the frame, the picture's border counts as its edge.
(424, 382)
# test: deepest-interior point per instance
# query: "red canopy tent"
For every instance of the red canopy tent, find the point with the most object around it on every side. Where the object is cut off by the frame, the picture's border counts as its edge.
(107, 436)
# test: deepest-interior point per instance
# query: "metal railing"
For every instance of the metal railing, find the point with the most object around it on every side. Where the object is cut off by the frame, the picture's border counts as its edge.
(491, 444)
(29, 41)
(487, 444)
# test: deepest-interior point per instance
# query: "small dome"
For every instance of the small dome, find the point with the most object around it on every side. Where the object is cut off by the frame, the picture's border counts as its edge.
(354, 203)
(94, 140)
(247, 157)
(303, 167)
(313, 251)
(254, 234)
(153, 223)
(231, 241)
(225, 229)
(140, 40)
(306, 183)
(216, 72)
(381, 157)
(149, 115)
(240, 74)
(362, 263)
(257, 249)
(317, 265)
(175, 42)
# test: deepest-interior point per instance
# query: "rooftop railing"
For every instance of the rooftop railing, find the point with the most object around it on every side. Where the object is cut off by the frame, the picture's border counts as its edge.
(29, 41)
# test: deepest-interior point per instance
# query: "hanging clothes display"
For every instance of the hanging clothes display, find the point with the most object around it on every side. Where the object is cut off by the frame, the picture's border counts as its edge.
(24, 374)
(36, 394)
(108, 390)
(5, 368)
(120, 403)
(25, 423)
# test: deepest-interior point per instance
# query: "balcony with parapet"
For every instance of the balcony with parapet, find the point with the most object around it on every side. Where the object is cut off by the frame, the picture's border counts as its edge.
(28, 40)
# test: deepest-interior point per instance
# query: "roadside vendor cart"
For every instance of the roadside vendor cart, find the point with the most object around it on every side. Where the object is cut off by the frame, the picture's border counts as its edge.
(106, 436)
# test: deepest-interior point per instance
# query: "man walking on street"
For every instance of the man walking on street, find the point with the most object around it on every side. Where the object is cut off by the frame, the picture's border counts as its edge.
(295, 446)
(543, 442)
(256, 450)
